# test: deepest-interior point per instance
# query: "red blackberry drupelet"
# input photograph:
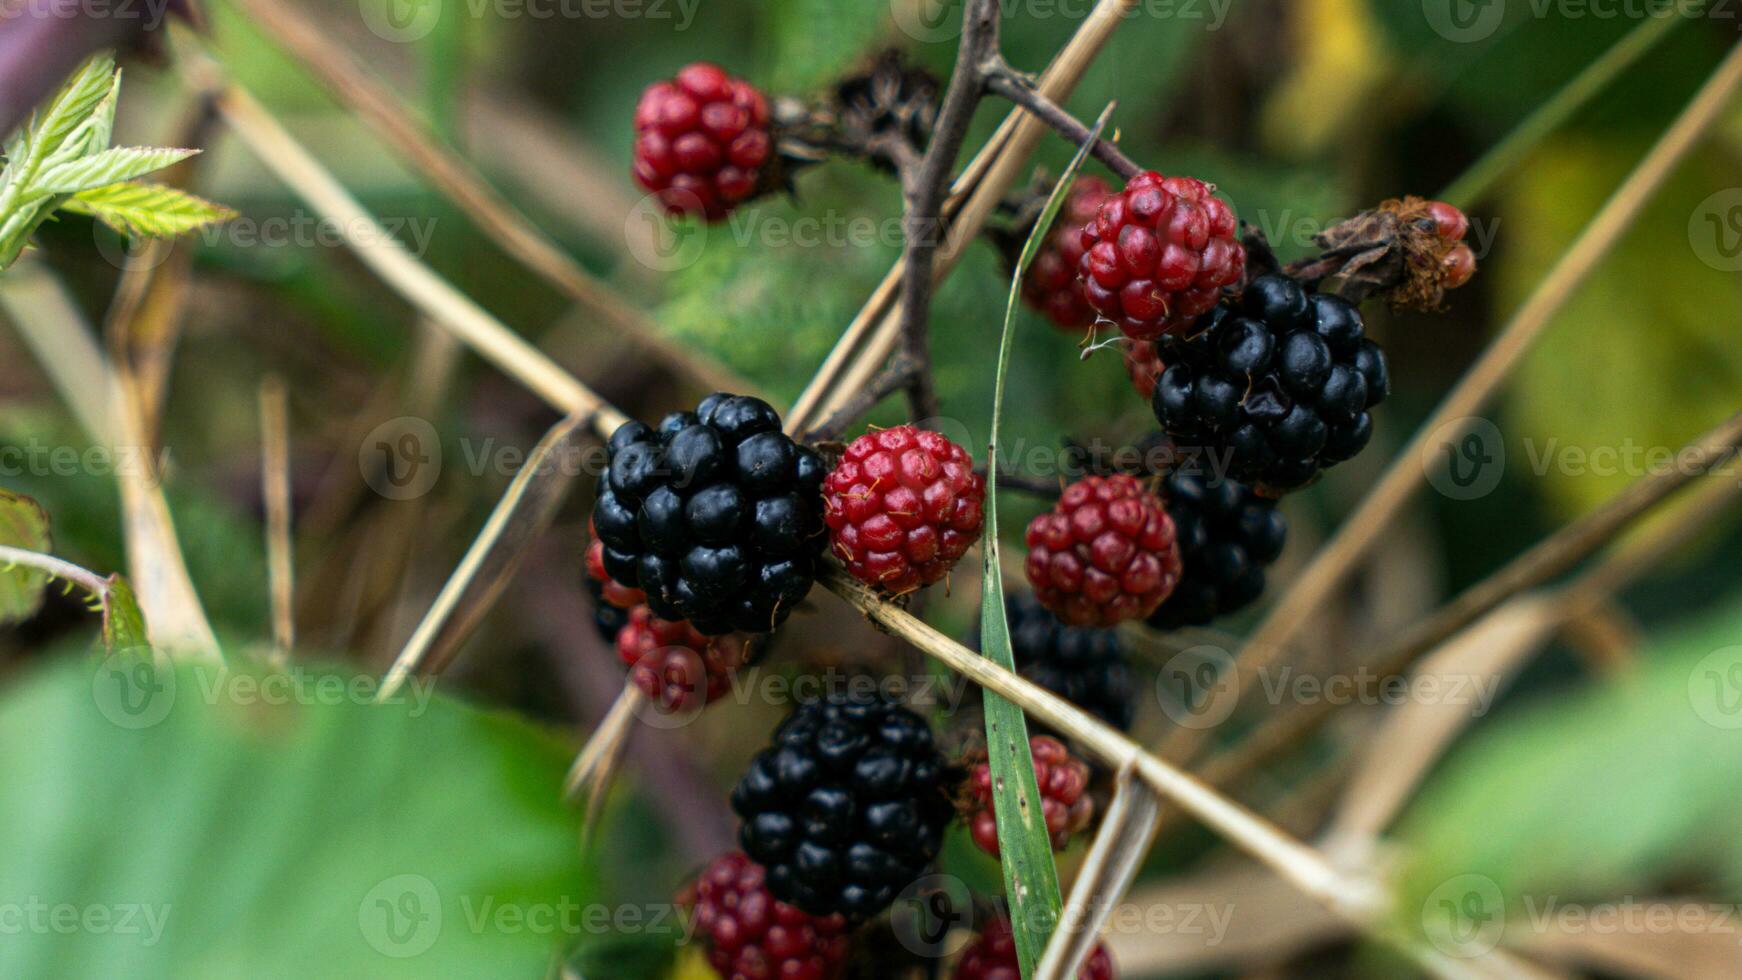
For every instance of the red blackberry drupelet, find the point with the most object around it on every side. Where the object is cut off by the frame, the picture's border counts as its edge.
(673, 664)
(902, 507)
(702, 141)
(1051, 285)
(1158, 254)
(1104, 554)
(611, 591)
(751, 935)
(1143, 363)
(993, 957)
(1064, 799)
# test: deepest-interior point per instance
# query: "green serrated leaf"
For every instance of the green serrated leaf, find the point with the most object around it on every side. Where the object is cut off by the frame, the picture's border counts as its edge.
(111, 166)
(23, 524)
(148, 210)
(1031, 884)
(75, 103)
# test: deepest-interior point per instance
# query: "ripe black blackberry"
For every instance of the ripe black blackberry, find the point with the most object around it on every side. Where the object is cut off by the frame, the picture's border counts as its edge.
(1227, 536)
(715, 515)
(1280, 384)
(1084, 666)
(847, 806)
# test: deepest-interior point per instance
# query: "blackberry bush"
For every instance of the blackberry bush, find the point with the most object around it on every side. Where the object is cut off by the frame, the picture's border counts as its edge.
(846, 807)
(714, 515)
(1227, 536)
(1280, 385)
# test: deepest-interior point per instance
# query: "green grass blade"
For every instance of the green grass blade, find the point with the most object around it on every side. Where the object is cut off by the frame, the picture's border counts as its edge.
(1031, 882)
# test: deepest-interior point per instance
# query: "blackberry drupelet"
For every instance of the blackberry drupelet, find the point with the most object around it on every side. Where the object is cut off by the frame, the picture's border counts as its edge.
(1052, 285)
(1086, 667)
(606, 617)
(1280, 384)
(847, 807)
(1227, 536)
(715, 515)
(675, 665)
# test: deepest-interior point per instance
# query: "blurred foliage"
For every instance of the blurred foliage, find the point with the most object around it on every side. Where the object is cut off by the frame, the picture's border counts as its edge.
(279, 839)
(1614, 789)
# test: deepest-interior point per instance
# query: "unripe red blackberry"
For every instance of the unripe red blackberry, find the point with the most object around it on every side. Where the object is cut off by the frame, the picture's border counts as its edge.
(1227, 536)
(1279, 385)
(847, 807)
(1104, 554)
(1065, 804)
(993, 957)
(1158, 254)
(702, 141)
(902, 506)
(1051, 285)
(751, 935)
(674, 665)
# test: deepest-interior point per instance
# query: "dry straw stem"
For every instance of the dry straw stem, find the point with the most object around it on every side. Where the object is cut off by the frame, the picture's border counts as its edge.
(389, 259)
(524, 512)
(1339, 557)
(275, 493)
(1546, 560)
(57, 334)
(872, 336)
(397, 123)
(592, 766)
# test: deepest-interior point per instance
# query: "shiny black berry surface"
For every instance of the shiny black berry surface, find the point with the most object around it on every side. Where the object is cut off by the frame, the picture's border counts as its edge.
(847, 807)
(1086, 667)
(715, 514)
(1280, 385)
(1228, 535)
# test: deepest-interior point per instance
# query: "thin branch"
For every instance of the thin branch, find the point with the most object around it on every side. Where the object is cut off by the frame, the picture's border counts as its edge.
(900, 375)
(84, 578)
(923, 198)
(1003, 80)
(1340, 556)
(870, 339)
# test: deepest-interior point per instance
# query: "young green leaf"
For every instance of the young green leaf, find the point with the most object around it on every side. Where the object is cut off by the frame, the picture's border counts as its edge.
(111, 166)
(23, 524)
(146, 210)
(1031, 883)
(77, 100)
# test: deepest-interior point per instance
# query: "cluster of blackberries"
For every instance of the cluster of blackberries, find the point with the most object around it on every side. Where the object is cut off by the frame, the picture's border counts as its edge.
(713, 515)
(847, 806)
(1227, 536)
(1279, 385)
(1086, 667)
